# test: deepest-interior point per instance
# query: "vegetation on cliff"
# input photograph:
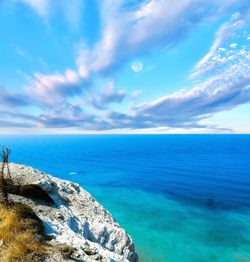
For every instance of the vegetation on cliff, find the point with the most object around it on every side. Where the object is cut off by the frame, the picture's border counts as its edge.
(22, 237)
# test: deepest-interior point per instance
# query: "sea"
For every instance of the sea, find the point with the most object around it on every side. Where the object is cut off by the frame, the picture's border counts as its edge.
(182, 198)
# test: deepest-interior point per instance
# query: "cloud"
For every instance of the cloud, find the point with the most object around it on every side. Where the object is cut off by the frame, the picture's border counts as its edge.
(150, 25)
(181, 109)
(226, 32)
(62, 121)
(45, 8)
(226, 85)
(233, 45)
(40, 6)
(51, 93)
(73, 11)
(12, 118)
(63, 116)
(128, 33)
(223, 89)
(12, 99)
(215, 63)
(185, 110)
(20, 51)
(108, 95)
(15, 124)
(52, 89)
(135, 94)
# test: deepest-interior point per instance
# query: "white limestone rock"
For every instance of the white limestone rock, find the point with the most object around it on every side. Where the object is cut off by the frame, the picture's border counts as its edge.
(76, 219)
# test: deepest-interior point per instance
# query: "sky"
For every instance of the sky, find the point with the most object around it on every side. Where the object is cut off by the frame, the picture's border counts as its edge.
(124, 66)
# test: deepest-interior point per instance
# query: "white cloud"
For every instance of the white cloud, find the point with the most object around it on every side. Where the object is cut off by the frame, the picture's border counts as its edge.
(183, 109)
(233, 45)
(45, 8)
(222, 89)
(42, 7)
(83, 60)
(51, 89)
(20, 51)
(218, 55)
(12, 100)
(151, 25)
(108, 95)
(135, 94)
(225, 33)
(73, 11)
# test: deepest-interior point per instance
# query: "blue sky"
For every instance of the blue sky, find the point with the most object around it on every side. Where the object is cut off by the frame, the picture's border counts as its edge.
(124, 66)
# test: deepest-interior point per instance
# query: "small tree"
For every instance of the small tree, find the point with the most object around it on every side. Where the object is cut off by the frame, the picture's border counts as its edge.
(3, 186)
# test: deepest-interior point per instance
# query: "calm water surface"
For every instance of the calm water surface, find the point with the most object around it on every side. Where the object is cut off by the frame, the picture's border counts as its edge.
(182, 198)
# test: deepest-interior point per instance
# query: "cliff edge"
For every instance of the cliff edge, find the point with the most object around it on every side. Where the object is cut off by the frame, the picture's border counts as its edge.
(75, 219)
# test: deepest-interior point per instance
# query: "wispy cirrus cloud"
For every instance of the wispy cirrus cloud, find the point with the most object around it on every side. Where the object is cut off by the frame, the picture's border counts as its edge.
(72, 10)
(42, 7)
(135, 94)
(146, 27)
(226, 32)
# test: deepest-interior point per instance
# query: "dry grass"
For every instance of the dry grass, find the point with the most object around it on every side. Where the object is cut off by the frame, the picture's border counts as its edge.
(21, 231)
(19, 236)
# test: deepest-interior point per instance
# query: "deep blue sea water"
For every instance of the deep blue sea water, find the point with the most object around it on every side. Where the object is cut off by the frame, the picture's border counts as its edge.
(182, 198)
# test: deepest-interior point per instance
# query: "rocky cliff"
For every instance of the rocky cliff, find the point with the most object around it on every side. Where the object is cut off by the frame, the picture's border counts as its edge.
(76, 219)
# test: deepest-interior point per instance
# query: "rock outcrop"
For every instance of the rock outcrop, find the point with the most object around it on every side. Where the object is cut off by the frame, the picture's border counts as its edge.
(76, 219)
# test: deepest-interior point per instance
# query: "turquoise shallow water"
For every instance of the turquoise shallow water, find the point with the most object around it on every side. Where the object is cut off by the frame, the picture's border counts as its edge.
(166, 230)
(181, 198)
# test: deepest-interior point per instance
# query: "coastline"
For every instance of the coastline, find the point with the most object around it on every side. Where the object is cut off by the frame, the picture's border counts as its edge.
(75, 218)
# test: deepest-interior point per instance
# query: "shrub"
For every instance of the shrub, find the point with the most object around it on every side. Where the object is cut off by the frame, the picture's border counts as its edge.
(67, 251)
(11, 188)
